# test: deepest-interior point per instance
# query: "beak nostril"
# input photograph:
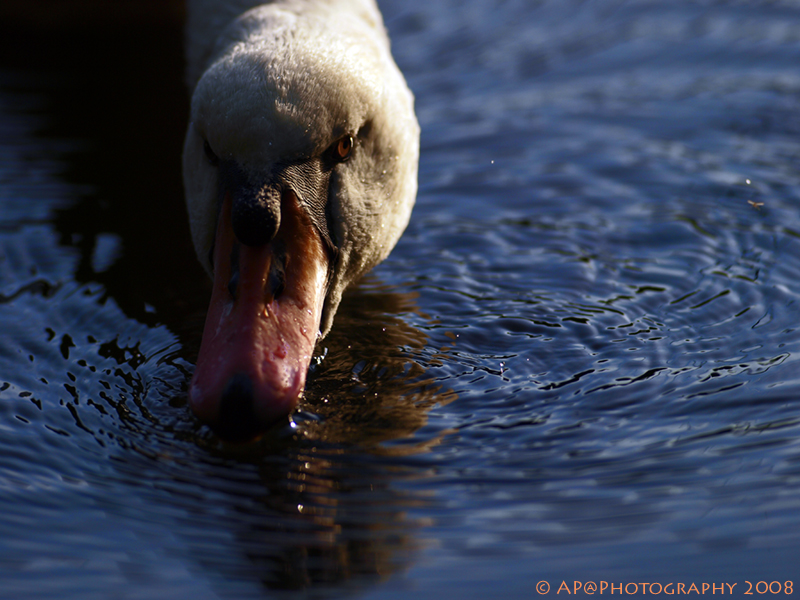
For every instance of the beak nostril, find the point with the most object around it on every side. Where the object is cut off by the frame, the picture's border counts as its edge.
(233, 282)
(276, 282)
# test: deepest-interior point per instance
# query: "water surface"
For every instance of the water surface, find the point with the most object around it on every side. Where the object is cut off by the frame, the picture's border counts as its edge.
(577, 364)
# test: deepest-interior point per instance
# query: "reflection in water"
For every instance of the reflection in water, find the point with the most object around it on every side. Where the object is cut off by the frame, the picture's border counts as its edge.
(386, 395)
(319, 517)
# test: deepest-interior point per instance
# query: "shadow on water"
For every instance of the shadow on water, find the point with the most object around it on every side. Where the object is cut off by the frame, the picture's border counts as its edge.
(117, 88)
(113, 323)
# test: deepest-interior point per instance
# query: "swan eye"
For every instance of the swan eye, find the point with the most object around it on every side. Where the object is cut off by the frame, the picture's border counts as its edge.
(212, 158)
(343, 148)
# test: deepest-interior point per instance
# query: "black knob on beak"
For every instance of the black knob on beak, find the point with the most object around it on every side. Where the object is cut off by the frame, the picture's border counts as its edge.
(256, 217)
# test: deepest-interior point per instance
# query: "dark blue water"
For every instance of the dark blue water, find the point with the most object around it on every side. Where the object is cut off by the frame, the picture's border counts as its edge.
(578, 364)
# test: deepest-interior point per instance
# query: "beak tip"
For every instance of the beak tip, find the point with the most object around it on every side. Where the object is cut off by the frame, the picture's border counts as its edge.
(239, 416)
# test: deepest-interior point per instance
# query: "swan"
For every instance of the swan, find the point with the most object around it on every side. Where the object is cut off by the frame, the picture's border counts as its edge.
(300, 173)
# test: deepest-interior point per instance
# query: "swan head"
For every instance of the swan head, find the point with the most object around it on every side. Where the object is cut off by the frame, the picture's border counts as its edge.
(300, 169)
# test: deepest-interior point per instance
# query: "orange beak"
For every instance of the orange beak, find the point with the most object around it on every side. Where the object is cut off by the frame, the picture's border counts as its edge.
(262, 324)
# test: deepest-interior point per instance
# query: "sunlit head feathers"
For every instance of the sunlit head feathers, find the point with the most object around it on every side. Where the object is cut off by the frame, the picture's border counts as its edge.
(282, 87)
